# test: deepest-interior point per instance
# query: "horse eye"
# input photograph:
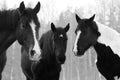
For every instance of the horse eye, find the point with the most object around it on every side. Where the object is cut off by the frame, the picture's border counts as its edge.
(22, 26)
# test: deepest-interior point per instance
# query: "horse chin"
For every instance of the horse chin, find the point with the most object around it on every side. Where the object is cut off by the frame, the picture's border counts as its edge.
(61, 60)
(80, 53)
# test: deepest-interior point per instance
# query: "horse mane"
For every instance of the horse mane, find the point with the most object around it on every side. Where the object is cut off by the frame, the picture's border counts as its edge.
(106, 50)
(94, 26)
(102, 47)
(9, 19)
(46, 44)
(31, 15)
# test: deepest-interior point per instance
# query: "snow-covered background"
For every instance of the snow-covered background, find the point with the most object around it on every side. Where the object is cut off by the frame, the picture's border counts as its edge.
(61, 12)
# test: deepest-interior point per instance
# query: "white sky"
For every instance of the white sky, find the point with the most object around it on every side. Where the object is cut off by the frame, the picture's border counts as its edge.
(51, 9)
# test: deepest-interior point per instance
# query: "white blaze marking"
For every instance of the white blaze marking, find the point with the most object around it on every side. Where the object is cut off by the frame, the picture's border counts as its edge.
(76, 41)
(61, 35)
(36, 44)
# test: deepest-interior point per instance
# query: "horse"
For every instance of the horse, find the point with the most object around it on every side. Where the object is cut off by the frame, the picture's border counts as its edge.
(87, 35)
(3, 59)
(53, 44)
(19, 24)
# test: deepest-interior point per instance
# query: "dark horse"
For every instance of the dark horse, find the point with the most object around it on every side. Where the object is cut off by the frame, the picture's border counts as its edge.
(19, 24)
(108, 63)
(53, 44)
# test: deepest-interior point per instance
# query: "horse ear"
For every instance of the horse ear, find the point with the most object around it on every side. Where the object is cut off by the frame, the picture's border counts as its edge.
(53, 27)
(92, 18)
(67, 27)
(22, 7)
(37, 8)
(77, 18)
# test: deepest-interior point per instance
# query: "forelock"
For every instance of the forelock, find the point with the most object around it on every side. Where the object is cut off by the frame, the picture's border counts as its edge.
(33, 17)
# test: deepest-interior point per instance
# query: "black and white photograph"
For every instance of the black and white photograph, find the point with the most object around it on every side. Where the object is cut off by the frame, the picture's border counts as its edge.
(59, 39)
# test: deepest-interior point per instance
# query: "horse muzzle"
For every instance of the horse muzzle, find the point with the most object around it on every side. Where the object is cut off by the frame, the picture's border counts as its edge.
(34, 56)
(61, 60)
(79, 53)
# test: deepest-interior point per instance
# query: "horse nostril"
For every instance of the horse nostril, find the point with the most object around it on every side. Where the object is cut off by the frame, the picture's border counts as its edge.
(61, 59)
(32, 52)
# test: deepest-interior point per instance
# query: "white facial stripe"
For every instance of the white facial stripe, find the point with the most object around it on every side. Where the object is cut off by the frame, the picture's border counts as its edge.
(61, 35)
(36, 44)
(75, 44)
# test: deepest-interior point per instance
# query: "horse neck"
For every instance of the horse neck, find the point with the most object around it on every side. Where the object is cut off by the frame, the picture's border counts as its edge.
(48, 51)
(8, 21)
(7, 41)
(109, 37)
(103, 51)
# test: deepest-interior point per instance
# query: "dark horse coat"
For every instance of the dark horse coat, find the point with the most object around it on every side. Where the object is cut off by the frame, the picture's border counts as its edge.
(3, 59)
(108, 63)
(53, 45)
(14, 25)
